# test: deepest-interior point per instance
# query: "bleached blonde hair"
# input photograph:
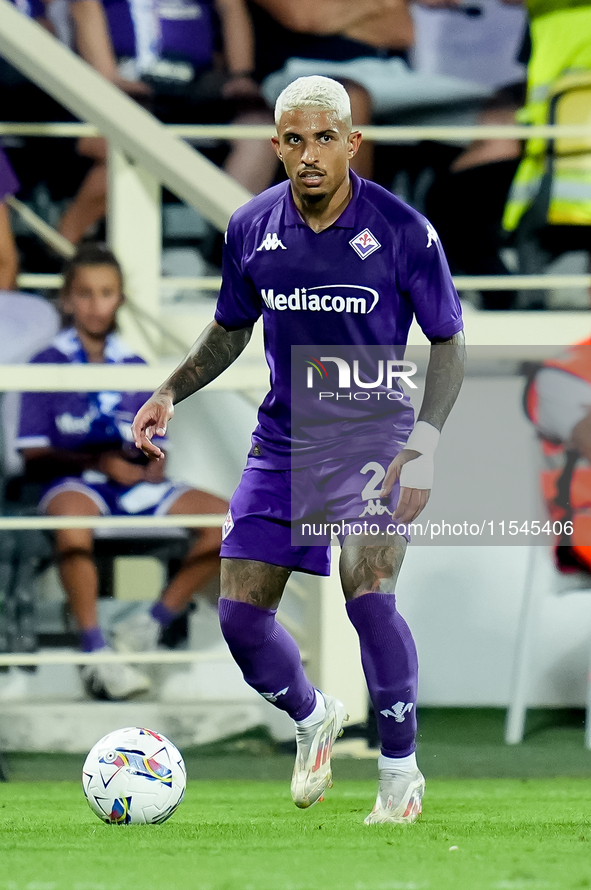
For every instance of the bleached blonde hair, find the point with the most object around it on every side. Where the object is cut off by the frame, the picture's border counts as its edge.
(315, 91)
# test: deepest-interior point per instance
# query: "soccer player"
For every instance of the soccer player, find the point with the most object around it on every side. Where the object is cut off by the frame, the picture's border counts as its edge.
(79, 447)
(327, 231)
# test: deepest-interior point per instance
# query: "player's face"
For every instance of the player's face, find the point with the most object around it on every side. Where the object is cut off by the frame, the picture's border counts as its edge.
(315, 147)
(94, 298)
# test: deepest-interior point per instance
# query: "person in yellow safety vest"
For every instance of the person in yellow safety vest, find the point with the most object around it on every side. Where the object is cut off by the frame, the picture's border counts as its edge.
(557, 173)
(558, 402)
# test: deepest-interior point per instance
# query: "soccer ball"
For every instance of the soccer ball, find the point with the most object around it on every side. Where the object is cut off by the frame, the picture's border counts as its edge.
(134, 775)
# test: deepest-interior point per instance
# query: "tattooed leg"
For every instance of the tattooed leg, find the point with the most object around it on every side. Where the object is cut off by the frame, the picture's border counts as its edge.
(264, 651)
(259, 583)
(370, 567)
(388, 653)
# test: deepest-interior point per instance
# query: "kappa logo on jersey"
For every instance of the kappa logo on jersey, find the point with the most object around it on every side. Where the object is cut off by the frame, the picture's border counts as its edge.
(365, 244)
(432, 236)
(399, 711)
(375, 508)
(228, 525)
(271, 242)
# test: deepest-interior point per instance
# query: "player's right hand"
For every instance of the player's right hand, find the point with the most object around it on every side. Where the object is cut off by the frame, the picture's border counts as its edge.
(152, 420)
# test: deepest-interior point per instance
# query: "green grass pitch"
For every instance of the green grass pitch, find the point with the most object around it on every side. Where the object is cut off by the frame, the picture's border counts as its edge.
(510, 834)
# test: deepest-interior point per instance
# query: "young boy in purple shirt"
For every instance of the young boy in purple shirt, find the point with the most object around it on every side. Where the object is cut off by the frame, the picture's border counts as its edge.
(79, 446)
(366, 264)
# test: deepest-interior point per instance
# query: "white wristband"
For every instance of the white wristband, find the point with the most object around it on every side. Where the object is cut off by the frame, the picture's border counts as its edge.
(418, 473)
(424, 438)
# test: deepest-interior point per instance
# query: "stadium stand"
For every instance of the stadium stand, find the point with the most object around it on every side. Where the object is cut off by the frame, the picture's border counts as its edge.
(164, 55)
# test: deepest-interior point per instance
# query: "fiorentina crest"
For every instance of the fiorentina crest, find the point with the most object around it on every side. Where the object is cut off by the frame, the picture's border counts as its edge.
(364, 244)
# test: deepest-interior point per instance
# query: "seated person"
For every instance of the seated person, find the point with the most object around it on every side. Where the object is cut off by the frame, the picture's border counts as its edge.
(170, 51)
(79, 446)
(8, 258)
(38, 158)
(365, 45)
(466, 202)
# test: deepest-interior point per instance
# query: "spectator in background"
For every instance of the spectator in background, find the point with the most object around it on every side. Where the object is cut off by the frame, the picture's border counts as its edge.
(466, 202)
(549, 204)
(558, 402)
(8, 258)
(364, 45)
(541, 199)
(479, 41)
(79, 447)
(167, 54)
(53, 161)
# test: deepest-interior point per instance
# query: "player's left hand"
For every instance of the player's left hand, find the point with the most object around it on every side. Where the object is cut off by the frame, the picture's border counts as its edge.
(411, 501)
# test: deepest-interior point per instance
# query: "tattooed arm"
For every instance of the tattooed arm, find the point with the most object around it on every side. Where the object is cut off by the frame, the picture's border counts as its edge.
(213, 352)
(445, 373)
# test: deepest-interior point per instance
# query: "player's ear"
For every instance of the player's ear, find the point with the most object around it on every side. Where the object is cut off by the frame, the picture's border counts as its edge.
(277, 147)
(355, 138)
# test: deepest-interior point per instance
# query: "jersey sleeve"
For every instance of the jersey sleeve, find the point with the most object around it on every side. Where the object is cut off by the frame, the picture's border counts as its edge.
(37, 9)
(428, 282)
(36, 423)
(239, 305)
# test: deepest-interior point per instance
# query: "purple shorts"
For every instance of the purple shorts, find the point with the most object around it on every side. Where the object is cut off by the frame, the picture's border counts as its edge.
(288, 517)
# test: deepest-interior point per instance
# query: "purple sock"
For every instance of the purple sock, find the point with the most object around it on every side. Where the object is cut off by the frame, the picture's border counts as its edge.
(162, 614)
(391, 669)
(92, 639)
(267, 656)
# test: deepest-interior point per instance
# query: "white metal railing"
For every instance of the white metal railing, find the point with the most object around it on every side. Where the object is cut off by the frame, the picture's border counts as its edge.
(462, 282)
(382, 134)
(157, 656)
(50, 523)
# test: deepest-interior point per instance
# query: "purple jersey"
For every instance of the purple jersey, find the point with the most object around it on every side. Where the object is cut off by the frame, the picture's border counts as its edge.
(34, 9)
(9, 184)
(79, 420)
(359, 282)
(185, 28)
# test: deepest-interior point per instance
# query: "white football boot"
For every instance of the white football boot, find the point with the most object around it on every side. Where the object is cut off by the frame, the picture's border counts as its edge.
(138, 633)
(400, 793)
(113, 682)
(312, 774)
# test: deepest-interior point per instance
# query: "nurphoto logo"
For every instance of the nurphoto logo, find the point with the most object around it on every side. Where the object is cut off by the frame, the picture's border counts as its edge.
(387, 376)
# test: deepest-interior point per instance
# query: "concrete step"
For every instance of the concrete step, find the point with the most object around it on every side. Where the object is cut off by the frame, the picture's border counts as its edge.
(74, 727)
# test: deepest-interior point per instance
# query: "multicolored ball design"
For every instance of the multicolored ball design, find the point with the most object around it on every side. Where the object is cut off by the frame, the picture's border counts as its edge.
(134, 776)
